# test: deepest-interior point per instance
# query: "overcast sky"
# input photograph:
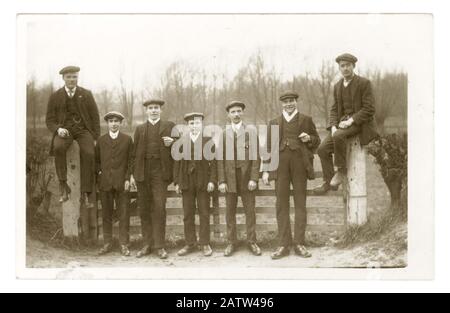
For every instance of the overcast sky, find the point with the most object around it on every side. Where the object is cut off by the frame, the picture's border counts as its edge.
(142, 46)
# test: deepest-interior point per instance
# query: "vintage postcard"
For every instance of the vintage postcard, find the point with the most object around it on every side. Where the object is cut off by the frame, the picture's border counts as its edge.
(225, 146)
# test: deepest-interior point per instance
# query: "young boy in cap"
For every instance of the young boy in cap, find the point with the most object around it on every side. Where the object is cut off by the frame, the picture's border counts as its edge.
(239, 175)
(352, 114)
(72, 114)
(298, 141)
(114, 167)
(195, 178)
(153, 172)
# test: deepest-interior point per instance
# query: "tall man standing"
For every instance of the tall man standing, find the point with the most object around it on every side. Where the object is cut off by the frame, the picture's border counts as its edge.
(153, 172)
(352, 114)
(239, 176)
(298, 140)
(72, 114)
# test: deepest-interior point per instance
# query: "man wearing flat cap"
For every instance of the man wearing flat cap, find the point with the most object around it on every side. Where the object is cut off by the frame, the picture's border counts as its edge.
(352, 114)
(153, 172)
(195, 178)
(114, 165)
(298, 139)
(72, 114)
(238, 175)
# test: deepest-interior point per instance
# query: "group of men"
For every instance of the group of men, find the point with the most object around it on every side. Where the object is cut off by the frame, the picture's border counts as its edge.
(146, 162)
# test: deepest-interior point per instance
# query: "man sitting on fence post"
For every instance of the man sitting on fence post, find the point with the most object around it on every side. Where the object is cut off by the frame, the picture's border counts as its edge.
(298, 141)
(72, 114)
(352, 114)
(238, 175)
(195, 178)
(153, 172)
(114, 167)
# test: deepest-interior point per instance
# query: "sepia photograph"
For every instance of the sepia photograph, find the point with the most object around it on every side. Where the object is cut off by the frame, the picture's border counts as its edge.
(190, 143)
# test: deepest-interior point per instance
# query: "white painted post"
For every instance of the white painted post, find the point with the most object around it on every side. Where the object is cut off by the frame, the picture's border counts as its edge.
(356, 183)
(77, 219)
(71, 208)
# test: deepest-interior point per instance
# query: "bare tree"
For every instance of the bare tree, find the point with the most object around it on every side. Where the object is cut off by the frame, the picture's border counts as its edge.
(105, 100)
(390, 92)
(319, 91)
(32, 101)
(127, 102)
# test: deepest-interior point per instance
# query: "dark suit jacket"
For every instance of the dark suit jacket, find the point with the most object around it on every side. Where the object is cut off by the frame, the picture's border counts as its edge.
(307, 126)
(206, 170)
(226, 169)
(56, 111)
(363, 105)
(140, 142)
(114, 161)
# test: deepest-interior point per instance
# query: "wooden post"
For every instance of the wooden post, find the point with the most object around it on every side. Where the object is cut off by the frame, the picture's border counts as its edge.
(356, 190)
(77, 219)
(71, 208)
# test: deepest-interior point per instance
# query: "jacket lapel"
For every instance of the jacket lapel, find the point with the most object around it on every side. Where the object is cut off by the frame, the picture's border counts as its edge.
(301, 118)
(241, 131)
(354, 87)
(144, 133)
(339, 93)
(80, 103)
(62, 99)
(163, 126)
(229, 131)
(280, 122)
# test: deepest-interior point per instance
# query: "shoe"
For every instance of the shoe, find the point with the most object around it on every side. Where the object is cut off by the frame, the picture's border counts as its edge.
(280, 253)
(64, 189)
(253, 247)
(302, 251)
(162, 254)
(186, 250)
(337, 179)
(87, 203)
(207, 251)
(107, 248)
(229, 250)
(124, 250)
(144, 252)
(323, 189)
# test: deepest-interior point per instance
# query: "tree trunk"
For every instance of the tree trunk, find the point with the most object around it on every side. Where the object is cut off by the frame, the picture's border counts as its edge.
(395, 189)
(380, 124)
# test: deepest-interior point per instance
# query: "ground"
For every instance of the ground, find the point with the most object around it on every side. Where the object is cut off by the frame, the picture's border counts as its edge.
(388, 251)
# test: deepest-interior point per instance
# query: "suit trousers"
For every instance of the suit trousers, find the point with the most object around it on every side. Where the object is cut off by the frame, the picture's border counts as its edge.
(249, 201)
(192, 198)
(121, 200)
(87, 159)
(291, 171)
(152, 195)
(336, 144)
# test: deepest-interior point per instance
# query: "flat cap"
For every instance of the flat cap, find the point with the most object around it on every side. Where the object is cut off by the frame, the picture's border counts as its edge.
(347, 57)
(288, 95)
(153, 101)
(112, 114)
(194, 115)
(69, 69)
(235, 104)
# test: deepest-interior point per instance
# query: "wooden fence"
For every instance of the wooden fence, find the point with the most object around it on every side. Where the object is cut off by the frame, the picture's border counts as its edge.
(328, 215)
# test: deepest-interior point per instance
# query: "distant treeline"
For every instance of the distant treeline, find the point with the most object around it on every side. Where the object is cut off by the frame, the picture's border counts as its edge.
(186, 89)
